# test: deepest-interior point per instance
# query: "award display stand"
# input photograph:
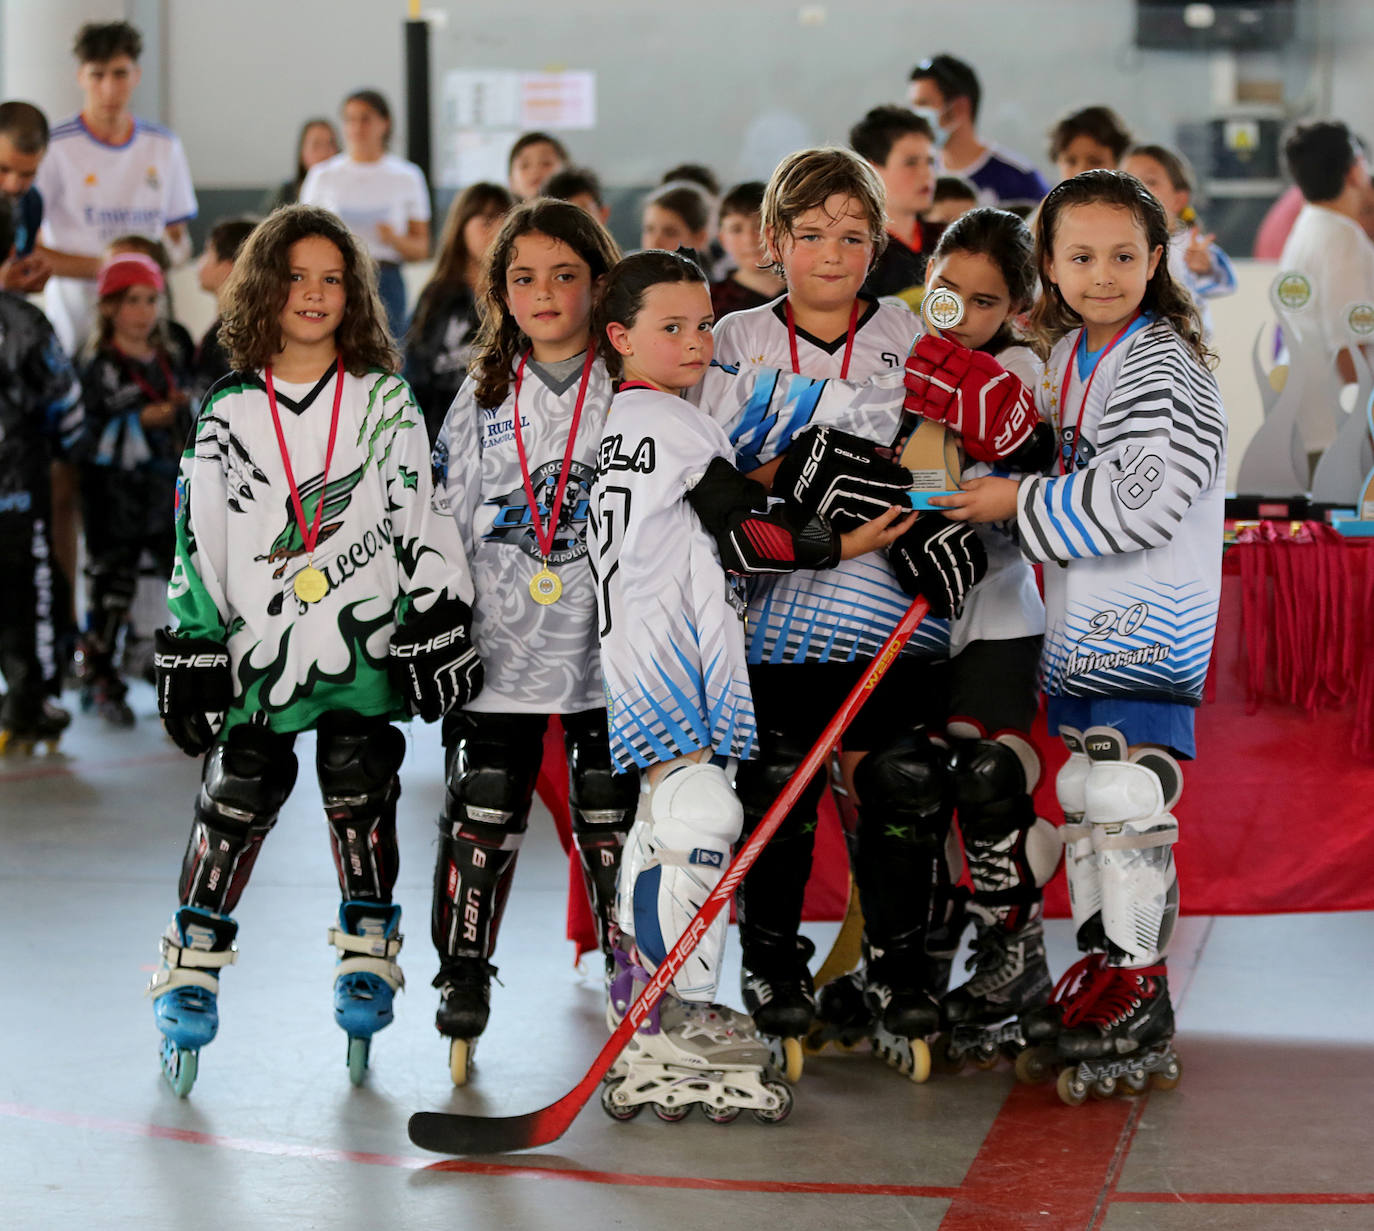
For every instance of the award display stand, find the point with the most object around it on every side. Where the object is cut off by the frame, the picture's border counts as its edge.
(1340, 475)
(932, 452)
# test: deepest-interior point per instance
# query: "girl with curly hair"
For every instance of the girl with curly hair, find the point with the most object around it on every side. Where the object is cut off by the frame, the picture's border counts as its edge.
(316, 586)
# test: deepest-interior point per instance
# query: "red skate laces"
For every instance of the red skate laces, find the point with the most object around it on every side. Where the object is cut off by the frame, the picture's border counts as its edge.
(1078, 986)
(1115, 992)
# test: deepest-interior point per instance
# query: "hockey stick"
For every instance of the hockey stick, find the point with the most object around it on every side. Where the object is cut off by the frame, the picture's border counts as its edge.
(450, 1133)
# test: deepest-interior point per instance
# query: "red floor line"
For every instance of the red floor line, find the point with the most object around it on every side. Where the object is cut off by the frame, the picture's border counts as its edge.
(466, 1166)
(1123, 1148)
(1122, 1198)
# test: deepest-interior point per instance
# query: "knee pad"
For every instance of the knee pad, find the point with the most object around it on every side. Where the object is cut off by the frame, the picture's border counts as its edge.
(491, 776)
(1080, 861)
(676, 853)
(759, 782)
(602, 804)
(1128, 799)
(246, 779)
(357, 760)
(905, 807)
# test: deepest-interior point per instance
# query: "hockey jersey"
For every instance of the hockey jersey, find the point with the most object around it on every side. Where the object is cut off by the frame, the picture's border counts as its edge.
(844, 613)
(538, 659)
(384, 547)
(672, 631)
(1136, 524)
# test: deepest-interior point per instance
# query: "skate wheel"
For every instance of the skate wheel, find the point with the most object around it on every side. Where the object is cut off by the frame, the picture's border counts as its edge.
(617, 1111)
(459, 1060)
(1135, 1083)
(720, 1115)
(179, 1067)
(793, 1059)
(945, 1059)
(814, 1042)
(1072, 1089)
(671, 1115)
(783, 1093)
(1167, 1077)
(1103, 1088)
(357, 1059)
(985, 1062)
(1034, 1065)
(920, 1062)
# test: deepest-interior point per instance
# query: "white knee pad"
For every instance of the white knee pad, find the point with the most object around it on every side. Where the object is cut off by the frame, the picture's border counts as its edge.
(1080, 863)
(1133, 833)
(675, 854)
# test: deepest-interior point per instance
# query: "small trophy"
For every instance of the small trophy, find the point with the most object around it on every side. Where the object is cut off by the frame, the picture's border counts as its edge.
(932, 451)
(1354, 446)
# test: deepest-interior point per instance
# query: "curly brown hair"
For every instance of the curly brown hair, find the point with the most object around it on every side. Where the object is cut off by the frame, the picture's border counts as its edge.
(257, 289)
(500, 342)
(1051, 318)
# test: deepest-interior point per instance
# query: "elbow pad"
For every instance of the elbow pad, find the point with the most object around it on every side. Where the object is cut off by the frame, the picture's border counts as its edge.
(753, 538)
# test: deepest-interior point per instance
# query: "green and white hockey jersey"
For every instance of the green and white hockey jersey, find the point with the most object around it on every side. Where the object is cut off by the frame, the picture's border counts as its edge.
(383, 547)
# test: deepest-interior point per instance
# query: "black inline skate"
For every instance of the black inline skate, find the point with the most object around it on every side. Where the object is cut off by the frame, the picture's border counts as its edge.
(779, 995)
(464, 985)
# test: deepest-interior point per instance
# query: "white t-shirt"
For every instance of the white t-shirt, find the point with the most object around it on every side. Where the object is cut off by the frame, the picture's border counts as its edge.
(363, 194)
(93, 193)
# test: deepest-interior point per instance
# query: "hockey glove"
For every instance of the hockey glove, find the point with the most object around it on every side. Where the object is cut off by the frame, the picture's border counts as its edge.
(942, 560)
(194, 688)
(754, 537)
(844, 478)
(972, 394)
(433, 662)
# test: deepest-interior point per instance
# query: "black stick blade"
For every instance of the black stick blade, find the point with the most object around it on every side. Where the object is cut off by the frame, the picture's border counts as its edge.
(453, 1133)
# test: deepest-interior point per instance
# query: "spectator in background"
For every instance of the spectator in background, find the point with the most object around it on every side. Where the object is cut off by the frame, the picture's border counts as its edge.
(693, 173)
(175, 334)
(382, 199)
(1090, 139)
(677, 215)
(444, 331)
(713, 258)
(533, 158)
(900, 146)
(318, 142)
(107, 174)
(581, 186)
(1328, 242)
(211, 360)
(947, 90)
(23, 142)
(953, 197)
(752, 281)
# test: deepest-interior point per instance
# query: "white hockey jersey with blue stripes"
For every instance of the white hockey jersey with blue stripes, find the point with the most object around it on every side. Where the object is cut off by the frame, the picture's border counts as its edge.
(1136, 525)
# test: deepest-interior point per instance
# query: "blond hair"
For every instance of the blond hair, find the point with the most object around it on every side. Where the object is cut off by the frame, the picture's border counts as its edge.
(809, 178)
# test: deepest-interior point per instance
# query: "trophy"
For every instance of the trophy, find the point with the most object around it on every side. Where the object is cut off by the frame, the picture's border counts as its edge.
(1340, 474)
(932, 452)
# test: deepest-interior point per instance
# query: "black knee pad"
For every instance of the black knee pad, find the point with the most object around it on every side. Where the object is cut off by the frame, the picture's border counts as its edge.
(760, 781)
(905, 784)
(357, 760)
(245, 781)
(991, 789)
(493, 765)
(602, 804)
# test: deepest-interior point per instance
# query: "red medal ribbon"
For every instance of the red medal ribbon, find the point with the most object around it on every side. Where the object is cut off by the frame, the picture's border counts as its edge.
(848, 342)
(1087, 388)
(308, 536)
(131, 366)
(544, 543)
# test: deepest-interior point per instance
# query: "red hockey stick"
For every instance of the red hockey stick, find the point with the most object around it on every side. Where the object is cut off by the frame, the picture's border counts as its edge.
(449, 1133)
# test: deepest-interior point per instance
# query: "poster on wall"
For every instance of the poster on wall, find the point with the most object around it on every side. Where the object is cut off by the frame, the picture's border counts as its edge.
(484, 110)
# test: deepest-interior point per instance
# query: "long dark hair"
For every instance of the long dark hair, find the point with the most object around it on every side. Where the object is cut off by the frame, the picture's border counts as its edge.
(256, 292)
(318, 121)
(501, 340)
(1006, 241)
(622, 295)
(1052, 318)
(451, 265)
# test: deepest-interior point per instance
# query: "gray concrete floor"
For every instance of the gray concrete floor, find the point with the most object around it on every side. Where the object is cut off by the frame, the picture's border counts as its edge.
(1267, 1130)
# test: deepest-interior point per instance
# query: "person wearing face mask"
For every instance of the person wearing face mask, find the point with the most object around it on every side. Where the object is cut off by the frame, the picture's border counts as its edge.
(947, 91)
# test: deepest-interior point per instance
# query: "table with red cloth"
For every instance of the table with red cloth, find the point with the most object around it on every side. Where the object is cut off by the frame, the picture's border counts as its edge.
(1277, 812)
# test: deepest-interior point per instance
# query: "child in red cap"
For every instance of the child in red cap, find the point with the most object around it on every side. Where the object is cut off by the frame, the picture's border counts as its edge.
(137, 416)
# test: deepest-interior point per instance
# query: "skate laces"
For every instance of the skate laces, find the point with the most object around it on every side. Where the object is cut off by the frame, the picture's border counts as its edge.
(1117, 992)
(1079, 987)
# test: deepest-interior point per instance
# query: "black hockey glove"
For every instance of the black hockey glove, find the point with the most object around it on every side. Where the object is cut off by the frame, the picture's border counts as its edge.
(194, 688)
(754, 537)
(433, 662)
(940, 559)
(844, 478)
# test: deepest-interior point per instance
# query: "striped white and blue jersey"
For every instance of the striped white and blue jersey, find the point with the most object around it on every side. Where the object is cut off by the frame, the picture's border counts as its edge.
(845, 613)
(1136, 524)
(671, 621)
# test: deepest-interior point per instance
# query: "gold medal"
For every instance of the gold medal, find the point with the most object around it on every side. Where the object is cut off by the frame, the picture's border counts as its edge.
(310, 584)
(545, 588)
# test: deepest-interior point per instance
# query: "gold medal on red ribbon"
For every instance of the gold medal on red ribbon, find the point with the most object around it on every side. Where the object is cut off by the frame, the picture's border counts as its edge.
(545, 588)
(310, 584)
